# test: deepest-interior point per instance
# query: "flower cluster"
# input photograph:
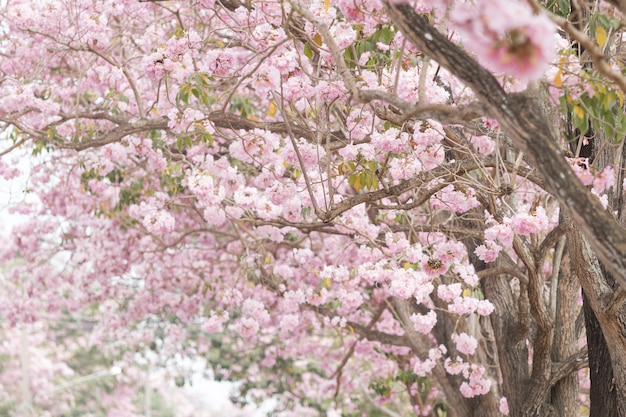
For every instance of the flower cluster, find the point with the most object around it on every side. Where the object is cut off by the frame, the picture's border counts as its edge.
(508, 35)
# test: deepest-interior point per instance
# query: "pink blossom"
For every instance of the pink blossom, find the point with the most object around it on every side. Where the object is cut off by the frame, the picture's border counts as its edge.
(455, 367)
(604, 179)
(424, 323)
(247, 326)
(465, 343)
(215, 322)
(476, 384)
(488, 252)
(350, 301)
(526, 223)
(504, 406)
(449, 292)
(483, 144)
(289, 322)
(502, 233)
(391, 140)
(423, 368)
(484, 307)
(518, 42)
(256, 309)
(464, 305)
(159, 222)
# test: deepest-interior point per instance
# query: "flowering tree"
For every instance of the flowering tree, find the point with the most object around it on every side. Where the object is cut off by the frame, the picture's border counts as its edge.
(358, 207)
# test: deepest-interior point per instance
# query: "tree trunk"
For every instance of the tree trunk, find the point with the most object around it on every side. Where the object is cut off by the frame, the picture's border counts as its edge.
(564, 394)
(602, 392)
(606, 301)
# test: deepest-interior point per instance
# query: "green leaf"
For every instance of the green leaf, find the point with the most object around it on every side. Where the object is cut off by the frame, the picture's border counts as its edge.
(308, 51)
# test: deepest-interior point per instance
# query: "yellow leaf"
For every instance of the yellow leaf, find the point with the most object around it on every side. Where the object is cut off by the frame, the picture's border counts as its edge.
(558, 80)
(579, 112)
(601, 36)
(326, 282)
(271, 112)
(317, 38)
(467, 292)
(326, 4)
(268, 259)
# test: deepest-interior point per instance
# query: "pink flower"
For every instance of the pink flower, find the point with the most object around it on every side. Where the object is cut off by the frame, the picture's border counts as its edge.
(488, 252)
(483, 144)
(256, 309)
(289, 322)
(449, 292)
(484, 307)
(350, 301)
(465, 343)
(159, 222)
(503, 233)
(455, 367)
(526, 223)
(504, 406)
(215, 322)
(517, 42)
(476, 384)
(604, 179)
(247, 327)
(422, 368)
(424, 323)
(464, 305)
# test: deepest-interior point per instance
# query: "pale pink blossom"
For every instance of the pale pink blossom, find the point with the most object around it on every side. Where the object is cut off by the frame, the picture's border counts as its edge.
(517, 42)
(476, 384)
(488, 252)
(484, 307)
(423, 368)
(159, 222)
(526, 223)
(449, 292)
(456, 366)
(247, 326)
(424, 323)
(463, 306)
(289, 322)
(502, 233)
(504, 406)
(604, 179)
(465, 343)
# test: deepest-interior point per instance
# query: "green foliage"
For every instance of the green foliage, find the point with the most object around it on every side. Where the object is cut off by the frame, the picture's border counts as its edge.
(199, 87)
(242, 105)
(559, 7)
(377, 58)
(363, 173)
(602, 111)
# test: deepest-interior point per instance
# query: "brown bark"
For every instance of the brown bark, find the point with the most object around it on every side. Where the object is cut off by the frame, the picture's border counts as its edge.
(608, 308)
(565, 392)
(602, 392)
(511, 334)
